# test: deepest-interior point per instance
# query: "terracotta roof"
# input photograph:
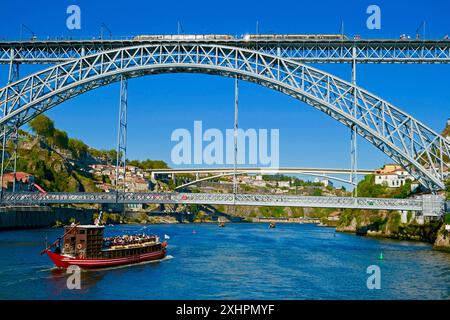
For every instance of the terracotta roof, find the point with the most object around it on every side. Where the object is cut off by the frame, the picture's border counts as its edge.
(390, 173)
(20, 176)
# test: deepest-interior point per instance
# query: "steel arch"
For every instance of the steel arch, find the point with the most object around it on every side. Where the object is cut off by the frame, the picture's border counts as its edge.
(423, 152)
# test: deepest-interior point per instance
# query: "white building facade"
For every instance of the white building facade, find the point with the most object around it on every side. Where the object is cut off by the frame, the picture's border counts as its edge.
(392, 176)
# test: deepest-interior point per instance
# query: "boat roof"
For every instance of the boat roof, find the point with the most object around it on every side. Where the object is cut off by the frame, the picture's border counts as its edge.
(86, 226)
(132, 246)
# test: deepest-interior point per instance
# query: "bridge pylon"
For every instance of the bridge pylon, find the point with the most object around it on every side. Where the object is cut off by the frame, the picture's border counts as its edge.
(122, 136)
(353, 132)
(13, 76)
(235, 149)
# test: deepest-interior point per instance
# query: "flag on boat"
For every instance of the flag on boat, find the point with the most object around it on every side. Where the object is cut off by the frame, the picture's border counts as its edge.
(166, 237)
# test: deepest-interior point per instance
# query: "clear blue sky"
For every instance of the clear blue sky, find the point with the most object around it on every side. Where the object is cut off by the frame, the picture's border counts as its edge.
(160, 104)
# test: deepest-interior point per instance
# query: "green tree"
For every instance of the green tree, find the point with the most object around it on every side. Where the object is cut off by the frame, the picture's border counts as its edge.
(60, 139)
(42, 171)
(405, 190)
(148, 164)
(447, 219)
(42, 126)
(368, 188)
(154, 164)
(106, 179)
(446, 131)
(111, 155)
(79, 148)
(135, 163)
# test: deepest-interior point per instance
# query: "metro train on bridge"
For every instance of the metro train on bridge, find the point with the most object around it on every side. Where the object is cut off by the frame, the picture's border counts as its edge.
(260, 37)
(246, 37)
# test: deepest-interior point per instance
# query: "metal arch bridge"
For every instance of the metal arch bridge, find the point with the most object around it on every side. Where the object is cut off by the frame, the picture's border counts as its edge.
(422, 151)
(429, 205)
(308, 50)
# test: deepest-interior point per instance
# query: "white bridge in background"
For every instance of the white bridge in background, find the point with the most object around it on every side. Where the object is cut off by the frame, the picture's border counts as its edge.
(204, 174)
(257, 170)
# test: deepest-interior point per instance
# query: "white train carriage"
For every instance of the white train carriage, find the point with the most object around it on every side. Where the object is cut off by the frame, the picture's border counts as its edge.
(184, 37)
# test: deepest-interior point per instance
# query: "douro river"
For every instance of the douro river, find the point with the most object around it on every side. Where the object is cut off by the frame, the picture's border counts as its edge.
(239, 261)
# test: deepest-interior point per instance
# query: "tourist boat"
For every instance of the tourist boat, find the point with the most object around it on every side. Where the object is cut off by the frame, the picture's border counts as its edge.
(84, 246)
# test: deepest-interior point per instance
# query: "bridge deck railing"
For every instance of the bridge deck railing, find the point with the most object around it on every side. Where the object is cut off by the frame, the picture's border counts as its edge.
(428, 203)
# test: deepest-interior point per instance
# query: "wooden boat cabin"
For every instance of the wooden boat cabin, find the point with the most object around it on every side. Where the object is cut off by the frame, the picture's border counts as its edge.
(88, 242)
(84, 241)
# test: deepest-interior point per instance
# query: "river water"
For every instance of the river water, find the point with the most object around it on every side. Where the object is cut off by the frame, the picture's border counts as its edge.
(240, 261)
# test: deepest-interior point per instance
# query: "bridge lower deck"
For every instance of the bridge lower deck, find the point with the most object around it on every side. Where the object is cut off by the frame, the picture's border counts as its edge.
(430, 204)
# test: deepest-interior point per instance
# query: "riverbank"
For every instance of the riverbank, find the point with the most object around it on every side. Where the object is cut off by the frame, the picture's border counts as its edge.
(389, 225)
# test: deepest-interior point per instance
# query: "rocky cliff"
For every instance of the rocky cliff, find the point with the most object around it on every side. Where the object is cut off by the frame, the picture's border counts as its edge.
(442, 240)
(387, 224)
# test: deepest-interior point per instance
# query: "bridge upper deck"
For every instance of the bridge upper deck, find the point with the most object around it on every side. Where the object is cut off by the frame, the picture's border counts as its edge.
(305, 50)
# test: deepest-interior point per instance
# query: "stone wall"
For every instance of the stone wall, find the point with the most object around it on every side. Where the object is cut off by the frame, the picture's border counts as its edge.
(41, 216)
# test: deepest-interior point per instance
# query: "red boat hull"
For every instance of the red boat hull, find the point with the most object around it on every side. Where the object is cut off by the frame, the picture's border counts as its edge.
(64, 261)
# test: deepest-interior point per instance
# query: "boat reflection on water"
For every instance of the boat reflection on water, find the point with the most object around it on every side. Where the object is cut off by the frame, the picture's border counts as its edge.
(64, 279)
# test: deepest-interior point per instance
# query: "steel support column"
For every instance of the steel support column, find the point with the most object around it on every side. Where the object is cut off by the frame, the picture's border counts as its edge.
(122, 135)
(15, 140)
(3, 157)
(13, 75)
(236, 110)
(353, 134)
